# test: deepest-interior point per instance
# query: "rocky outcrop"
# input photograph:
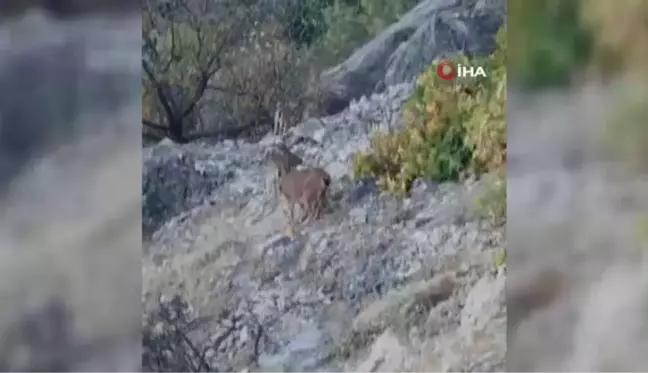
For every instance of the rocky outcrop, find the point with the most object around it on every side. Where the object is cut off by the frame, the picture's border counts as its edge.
(378, 275)
(176, 179)
(379, 283)
(433, 29)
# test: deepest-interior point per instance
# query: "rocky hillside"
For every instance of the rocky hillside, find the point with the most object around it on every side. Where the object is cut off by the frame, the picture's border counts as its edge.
(379, 283)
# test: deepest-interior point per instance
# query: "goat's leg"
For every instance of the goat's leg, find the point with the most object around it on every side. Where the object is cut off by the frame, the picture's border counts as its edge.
(275, 190)
(304, 216)
(318, 203)
(276, 186)
(301, 212)
(311, 208)
(291, 219)
(318, 206)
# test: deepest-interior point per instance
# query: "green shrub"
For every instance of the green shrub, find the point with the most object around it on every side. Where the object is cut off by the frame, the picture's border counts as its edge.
(554, 40)
(306, 22)
(490, 204)
(334, 28)
(549, 41)
(451, 128)
(235, 75)
(499, 258)
(351, 23)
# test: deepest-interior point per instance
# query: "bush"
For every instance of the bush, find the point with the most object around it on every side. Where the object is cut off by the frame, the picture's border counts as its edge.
(490, 204)
(620, 30)
(451, 128)
(306, 21)
(221, 77)
(223, 73)
(351, 23)
(270, 70)
(549, 42)
(499, 259)
(554, 40)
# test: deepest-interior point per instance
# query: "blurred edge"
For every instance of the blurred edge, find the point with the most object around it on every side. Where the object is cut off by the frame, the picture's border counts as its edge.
(70, 186)
(577, 186)
(70, 8)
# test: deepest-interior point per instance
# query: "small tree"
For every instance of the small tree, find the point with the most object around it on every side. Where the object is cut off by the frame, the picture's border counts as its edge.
(227, 57)
(184, 44)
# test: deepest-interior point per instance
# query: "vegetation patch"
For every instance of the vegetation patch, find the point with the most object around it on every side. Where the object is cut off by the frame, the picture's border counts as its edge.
(554, 41)
(549, 41)
(451, 128)
(490, 204)
(620, 30)
(222, 69)
(349, 23)
(499, 259)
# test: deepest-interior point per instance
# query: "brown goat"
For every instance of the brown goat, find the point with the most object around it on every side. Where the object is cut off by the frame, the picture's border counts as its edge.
(284, 161)
(306, 187)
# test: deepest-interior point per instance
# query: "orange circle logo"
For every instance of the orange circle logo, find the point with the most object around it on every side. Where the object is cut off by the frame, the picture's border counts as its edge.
(446, 70)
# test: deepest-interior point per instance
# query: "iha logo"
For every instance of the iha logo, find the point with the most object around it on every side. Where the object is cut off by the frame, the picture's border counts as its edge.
(447, 70)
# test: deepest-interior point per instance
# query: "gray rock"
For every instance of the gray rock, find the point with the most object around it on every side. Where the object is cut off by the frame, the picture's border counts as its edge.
(366, 245)
(485, 301)
(174, 180)
(294, 298)
(433, 29)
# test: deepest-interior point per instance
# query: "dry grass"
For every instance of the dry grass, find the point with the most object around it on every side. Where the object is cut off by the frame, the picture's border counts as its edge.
(618, 29)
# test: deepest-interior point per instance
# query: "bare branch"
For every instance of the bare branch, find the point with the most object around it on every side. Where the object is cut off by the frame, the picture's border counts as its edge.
(247, 97)
(159, 91)
(172, 53)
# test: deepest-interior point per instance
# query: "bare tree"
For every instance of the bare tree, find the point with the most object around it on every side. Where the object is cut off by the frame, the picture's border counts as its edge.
(230, 49)
(185, 42)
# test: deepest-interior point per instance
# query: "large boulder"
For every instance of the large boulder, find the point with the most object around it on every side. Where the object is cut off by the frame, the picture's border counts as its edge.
(432, 29)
